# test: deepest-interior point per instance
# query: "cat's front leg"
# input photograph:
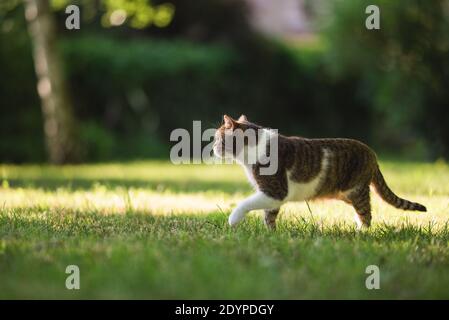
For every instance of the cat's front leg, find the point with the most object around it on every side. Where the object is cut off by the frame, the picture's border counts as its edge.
(258, 200)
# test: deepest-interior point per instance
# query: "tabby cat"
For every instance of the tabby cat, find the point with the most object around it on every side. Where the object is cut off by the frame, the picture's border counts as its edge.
(309, 169)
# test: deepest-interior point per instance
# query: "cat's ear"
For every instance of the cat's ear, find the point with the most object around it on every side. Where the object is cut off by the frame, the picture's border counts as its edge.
(243, 118)
(229, 123)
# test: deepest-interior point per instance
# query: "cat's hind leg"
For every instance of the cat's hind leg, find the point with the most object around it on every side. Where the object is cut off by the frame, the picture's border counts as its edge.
(258, 200)
(360, 200)
(270, 218)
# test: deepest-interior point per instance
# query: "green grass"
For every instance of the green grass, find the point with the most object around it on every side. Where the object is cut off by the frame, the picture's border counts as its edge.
(155, 230)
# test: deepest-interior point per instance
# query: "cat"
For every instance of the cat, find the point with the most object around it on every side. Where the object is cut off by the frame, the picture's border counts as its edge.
(307, 169)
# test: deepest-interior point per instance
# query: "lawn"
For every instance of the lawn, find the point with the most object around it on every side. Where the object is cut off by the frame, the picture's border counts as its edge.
(155, 230)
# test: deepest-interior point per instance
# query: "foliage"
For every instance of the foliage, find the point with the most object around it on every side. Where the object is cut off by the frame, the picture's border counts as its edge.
(137, 89)
(137, 14)
(383, 87)
(403, 68)
(157, 82)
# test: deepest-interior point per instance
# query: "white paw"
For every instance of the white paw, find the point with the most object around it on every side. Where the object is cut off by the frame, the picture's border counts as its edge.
(235, 218)
(358, 222)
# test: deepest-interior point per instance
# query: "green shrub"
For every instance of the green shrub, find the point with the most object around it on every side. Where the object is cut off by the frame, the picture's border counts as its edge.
(403, 68)
(176, 82)
(151, 87)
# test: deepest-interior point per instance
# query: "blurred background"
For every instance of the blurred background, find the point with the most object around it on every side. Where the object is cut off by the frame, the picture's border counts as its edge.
(137, 69)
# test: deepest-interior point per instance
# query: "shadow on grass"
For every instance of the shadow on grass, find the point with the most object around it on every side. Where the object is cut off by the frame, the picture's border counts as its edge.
(187, 186)
(62, 223)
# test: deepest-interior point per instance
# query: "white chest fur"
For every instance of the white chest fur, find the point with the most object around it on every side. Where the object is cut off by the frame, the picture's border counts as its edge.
(250, 176)
(304, 191)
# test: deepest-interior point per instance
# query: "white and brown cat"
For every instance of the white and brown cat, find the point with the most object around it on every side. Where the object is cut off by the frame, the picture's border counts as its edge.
(308, 169)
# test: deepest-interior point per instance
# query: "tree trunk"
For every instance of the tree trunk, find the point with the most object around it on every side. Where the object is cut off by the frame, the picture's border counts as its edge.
(59, 120)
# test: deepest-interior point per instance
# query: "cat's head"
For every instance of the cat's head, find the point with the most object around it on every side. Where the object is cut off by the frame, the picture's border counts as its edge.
(235, 137)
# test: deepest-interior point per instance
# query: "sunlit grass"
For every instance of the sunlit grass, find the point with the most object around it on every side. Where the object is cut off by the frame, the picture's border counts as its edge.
(155, 230)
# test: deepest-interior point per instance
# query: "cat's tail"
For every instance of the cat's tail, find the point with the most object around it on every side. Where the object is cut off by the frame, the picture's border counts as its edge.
(388, 196)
